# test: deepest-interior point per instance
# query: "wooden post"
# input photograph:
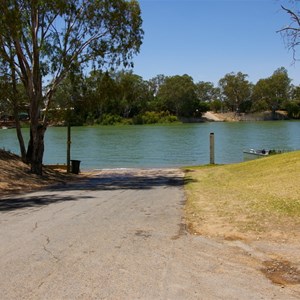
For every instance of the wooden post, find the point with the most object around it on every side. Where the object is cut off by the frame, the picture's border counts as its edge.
(69, 148)
(212, 148)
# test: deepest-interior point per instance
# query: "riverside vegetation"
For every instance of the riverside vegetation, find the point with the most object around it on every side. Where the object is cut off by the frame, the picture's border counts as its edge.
(124, 97)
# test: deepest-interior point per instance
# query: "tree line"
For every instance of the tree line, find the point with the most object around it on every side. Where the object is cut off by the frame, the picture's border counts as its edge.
(116, 97)
(124, 97)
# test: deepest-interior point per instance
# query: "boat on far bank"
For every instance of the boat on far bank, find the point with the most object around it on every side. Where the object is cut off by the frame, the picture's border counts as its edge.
(257, 152)
(263, 152)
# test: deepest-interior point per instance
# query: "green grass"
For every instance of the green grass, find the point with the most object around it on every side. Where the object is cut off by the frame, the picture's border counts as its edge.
(252, 196)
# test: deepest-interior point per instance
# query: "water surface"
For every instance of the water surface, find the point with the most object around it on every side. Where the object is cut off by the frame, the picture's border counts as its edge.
(161, 145)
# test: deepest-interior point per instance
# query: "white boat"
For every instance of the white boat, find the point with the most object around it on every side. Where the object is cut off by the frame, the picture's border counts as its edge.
(260, 152)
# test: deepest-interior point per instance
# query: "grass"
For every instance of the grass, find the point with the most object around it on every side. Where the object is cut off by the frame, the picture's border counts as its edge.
(254, 198)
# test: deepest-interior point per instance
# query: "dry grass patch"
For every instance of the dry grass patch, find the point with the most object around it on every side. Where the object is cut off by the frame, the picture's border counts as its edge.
(259, 198)
(15, 176)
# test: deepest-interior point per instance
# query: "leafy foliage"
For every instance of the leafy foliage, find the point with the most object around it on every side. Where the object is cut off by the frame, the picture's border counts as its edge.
(178, 95)
(236, 90)
(152, 117)
(44, 41)
(271, 92)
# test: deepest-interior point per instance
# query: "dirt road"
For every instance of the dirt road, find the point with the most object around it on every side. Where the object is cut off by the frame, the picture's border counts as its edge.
(120, 235)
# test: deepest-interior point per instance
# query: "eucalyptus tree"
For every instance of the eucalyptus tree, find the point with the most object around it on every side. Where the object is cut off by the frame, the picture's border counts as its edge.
(42, 41)
(270, 93)
(280, 88)
(208, 96)
(295, 92)
(132, 93)
(5, 95)
(236, 90)
(261, 95)
(154, 85)
(293, 105)
(206, 91)
(69, 101)
(12, 100)
(178, 95)
(101, 95)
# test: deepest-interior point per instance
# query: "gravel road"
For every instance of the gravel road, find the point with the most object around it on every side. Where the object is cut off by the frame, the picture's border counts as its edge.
(120, 235)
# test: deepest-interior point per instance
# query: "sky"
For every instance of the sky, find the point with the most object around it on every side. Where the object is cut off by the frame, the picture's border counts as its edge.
(208, 39)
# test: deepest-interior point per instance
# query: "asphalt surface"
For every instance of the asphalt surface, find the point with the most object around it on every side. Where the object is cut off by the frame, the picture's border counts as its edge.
(120, 235)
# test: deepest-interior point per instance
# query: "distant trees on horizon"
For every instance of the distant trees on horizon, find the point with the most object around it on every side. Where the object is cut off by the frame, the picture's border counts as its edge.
(113, 97)
(108, 97)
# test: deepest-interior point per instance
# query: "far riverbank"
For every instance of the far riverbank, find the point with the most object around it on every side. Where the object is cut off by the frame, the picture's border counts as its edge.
(243, 117)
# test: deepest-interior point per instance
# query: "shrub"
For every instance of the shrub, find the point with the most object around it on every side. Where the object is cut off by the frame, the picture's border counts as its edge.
(293, 109)
(151, 117)
(109, 119)
(90, 119)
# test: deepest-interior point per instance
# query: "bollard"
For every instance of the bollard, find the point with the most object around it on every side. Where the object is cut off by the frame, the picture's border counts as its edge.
(69, 148)
(212, 148)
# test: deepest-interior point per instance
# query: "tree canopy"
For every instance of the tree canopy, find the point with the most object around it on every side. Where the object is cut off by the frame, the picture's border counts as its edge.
(178, 95)
(236, 90)
(41, 42)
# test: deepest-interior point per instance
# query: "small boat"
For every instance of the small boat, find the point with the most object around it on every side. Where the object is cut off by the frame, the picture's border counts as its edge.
(261, 152)
(264, 152)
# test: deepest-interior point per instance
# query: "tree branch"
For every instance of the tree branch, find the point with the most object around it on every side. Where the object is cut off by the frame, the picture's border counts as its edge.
(293, 15)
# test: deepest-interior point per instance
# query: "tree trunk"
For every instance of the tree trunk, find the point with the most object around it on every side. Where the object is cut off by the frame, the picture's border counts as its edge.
(16, 112)
(35, 150)
(20, 138)
(18, 129)
(273, 112)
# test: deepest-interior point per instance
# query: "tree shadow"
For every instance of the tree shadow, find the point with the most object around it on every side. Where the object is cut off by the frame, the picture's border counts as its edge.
(101, 182)
(31, 200)
(124, 182)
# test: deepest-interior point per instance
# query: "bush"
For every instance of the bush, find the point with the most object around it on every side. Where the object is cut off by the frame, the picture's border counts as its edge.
(293, 109)
(90, 119)
(151, 117)
(109, 119)
(216, 106)
(203, 107)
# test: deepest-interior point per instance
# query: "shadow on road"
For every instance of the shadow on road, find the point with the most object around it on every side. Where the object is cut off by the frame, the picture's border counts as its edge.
(19, 202)
(124, 182)
(100, 182)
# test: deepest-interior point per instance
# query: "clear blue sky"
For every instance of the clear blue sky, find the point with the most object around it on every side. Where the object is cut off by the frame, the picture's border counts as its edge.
(207, 39)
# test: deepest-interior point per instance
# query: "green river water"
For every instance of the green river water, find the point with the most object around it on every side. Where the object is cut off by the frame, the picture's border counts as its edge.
(160, 145)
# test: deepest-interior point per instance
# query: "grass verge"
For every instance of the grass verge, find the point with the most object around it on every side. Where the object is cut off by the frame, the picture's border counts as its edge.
(259, 198)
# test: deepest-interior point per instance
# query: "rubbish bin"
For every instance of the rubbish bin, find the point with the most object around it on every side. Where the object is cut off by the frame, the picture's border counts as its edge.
(75, 166)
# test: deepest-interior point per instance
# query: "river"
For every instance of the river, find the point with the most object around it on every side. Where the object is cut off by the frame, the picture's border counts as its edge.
(160, 145)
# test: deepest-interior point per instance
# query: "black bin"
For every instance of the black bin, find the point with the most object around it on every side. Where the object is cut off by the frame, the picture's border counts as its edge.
(75, 166)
